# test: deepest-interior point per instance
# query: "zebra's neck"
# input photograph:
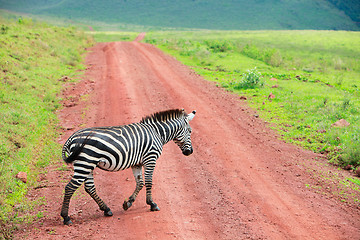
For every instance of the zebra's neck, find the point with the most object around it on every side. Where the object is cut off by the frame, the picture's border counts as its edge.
(166, 130)
(166, 123)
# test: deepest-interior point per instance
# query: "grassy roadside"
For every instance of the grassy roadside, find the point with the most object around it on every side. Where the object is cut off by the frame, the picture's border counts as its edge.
(308, 80)
(34, 59)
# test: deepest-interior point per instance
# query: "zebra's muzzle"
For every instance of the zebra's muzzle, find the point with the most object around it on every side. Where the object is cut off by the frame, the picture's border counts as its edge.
(187, 152)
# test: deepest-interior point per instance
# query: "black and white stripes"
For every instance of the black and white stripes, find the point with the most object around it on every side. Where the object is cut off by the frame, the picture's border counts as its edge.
(135, 145)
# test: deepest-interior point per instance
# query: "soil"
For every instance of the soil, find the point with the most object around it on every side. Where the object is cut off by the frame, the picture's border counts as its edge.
(241, 182)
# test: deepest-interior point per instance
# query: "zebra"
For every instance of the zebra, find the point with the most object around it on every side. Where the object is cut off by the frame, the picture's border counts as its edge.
(135, 146)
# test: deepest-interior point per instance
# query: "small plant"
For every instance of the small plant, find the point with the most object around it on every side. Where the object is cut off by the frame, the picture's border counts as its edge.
(4, 29)
(345, 104)
(250, 79)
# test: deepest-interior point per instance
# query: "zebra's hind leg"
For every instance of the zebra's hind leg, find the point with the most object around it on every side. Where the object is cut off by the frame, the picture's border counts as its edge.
(81, 172)
(137, 171)
(70, 188)
(91, 190)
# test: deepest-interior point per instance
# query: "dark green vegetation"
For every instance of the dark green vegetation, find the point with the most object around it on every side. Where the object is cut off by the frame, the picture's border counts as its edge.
(33, 60)
(201, 14)
(301, 82)
(350, 7)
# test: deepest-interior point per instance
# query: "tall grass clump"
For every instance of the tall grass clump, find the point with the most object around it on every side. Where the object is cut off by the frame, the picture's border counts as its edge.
(34, 56)
(250, 79)
(270, 56)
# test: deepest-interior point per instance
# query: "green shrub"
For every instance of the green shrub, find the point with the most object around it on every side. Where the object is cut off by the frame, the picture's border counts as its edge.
(218, 45)
(270, 56)
(250, 79)
(252, 51)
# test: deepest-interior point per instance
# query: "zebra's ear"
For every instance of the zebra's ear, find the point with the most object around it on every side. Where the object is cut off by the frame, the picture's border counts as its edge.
(191, 115)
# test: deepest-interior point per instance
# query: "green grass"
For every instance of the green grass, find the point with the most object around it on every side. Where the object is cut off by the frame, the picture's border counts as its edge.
(314, 76)
(100, 36)
(34, 56)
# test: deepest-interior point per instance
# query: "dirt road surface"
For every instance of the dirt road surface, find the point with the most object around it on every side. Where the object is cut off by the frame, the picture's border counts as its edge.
(241, 182)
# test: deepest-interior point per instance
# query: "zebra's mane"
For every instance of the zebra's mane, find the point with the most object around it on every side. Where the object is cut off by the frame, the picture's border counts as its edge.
(164, 115)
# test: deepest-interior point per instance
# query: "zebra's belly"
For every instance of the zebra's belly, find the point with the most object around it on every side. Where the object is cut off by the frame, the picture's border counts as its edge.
(107, 165)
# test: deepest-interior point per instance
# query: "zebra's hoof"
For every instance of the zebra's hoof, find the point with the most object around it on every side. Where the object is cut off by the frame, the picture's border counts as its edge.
(127, 205)
(67, 221)
(108, 212)
(154, 207)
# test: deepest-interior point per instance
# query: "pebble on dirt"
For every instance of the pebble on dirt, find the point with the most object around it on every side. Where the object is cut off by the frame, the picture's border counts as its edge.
(64, 79)
(22, 176)
(243, 97)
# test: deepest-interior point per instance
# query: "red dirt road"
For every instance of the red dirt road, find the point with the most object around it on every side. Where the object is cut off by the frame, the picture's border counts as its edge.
(241, 182)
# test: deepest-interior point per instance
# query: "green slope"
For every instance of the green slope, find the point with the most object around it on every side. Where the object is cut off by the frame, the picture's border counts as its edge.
(35, 59)
(205, 14)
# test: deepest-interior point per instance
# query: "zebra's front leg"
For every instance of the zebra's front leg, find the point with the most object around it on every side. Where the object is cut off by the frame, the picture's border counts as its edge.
(91, 190)
(149, 170)
(137, 171)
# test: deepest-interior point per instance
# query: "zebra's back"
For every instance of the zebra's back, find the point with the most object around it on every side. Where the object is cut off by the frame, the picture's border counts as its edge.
(114, 148)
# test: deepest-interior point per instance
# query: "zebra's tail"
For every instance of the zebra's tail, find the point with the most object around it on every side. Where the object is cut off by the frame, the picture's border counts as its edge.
(75, 151)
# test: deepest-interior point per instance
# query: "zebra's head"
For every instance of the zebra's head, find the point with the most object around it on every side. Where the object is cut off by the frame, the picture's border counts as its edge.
(182, 138)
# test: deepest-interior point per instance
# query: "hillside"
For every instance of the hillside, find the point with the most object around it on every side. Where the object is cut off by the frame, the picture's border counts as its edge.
(203, 14)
